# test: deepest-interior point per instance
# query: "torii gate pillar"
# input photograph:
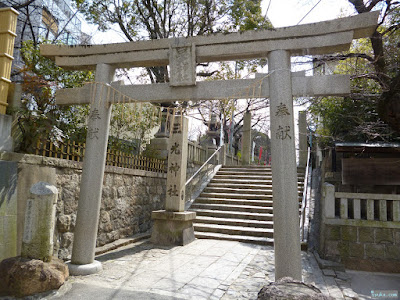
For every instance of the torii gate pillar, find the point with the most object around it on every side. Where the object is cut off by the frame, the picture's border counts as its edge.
(82, 260)
(284, 170)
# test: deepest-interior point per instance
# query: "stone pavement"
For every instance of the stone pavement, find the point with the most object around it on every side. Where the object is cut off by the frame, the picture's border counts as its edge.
(204, 269)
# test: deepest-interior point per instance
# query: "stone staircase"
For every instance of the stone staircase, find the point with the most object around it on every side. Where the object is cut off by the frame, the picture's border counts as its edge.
(237, 205)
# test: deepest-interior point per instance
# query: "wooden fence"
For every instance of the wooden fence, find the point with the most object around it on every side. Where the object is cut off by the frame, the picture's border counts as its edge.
(76, 151)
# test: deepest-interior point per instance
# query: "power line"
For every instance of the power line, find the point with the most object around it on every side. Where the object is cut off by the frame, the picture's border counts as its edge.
(269, 4)
(309, 12)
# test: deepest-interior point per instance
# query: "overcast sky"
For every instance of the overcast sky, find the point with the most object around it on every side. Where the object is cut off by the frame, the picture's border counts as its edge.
(283, 13)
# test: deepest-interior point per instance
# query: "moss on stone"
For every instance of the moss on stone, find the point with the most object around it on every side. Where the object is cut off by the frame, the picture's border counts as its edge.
(349, 233)
(366, 234)
(356, 250)
(384, 235)
(344, 249)
(374, 251)
(332, 233)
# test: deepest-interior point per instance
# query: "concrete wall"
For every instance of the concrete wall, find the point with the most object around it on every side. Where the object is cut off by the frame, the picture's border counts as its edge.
(128, 198)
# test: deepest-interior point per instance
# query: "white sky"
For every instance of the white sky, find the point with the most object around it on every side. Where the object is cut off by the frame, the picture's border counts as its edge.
(283, 13)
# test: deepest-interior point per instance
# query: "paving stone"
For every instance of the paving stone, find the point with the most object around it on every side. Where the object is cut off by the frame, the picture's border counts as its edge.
(329, 272)
(342, 275)
(182, 274)
(205, 281)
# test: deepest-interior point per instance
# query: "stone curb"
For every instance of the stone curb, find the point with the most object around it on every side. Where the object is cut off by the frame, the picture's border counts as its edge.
(337, 272)
(122, 242)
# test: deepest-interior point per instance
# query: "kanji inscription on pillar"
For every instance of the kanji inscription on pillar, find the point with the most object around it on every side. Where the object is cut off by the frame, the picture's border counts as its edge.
(177, 162)
(283, 115)
(182, 63)
(94, 114)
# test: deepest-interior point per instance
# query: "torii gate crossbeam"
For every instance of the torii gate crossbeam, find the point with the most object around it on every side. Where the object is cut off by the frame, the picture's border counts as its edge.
(182, 55)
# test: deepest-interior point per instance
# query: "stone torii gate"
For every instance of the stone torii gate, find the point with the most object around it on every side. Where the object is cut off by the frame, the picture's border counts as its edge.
(182, 54)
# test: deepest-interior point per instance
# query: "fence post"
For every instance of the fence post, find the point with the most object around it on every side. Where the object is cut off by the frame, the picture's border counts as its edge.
(396, 211)
(328, 197)
(222, 155)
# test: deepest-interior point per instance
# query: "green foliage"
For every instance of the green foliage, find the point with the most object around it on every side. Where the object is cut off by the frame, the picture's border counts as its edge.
(350, 120)
(358, 118)
(39, 116)
(150, 152)
(133, 122)
(140, 19)
(247, 15)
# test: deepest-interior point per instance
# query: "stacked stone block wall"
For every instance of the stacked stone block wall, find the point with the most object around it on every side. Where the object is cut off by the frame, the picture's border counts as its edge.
(128, 198)
(363, 247)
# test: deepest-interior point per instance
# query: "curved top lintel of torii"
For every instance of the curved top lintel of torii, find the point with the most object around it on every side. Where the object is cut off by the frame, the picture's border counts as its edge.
(308, 39)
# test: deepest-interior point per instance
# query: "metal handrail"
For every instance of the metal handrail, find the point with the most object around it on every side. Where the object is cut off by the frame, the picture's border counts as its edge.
(202, 166)
(304, 200)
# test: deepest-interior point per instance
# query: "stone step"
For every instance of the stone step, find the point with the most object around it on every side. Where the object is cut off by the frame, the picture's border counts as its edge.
(236, 196)
(227, 190)
(239, 238)
(247, 166)
(244, 171)
(232, 222)
(242, 181)
(247, 176)
(242, 191)
(234, 230)
(238, 202)
(240, 185)
(246, 188)
(232, 214)
(230, 207)
(264, 203)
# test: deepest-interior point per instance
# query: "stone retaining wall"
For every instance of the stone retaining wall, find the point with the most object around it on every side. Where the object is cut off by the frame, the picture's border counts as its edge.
(363, 247)
(128, 198)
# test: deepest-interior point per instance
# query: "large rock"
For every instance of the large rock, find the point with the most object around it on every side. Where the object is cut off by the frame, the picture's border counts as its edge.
(23, 277)
(288, 289)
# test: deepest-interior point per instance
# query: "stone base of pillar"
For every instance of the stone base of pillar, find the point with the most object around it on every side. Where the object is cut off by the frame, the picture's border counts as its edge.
(172, 228)
(82, 270)
(160, 144)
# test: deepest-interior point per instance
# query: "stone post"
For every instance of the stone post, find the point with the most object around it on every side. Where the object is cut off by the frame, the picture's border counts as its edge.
(82, 261)
(246, 139)
(328, 194)
(40, 214)
(222, 154)
(6, 141)
(302, 139)
(160, 140)
(284, 169)
(9, 178)
(174, 226)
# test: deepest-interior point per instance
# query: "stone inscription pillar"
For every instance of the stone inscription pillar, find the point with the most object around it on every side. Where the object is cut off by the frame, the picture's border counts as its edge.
(284, 169)
(82, 261)
(174, 226)
(40, 215)
(246, 139)
(177, 163)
